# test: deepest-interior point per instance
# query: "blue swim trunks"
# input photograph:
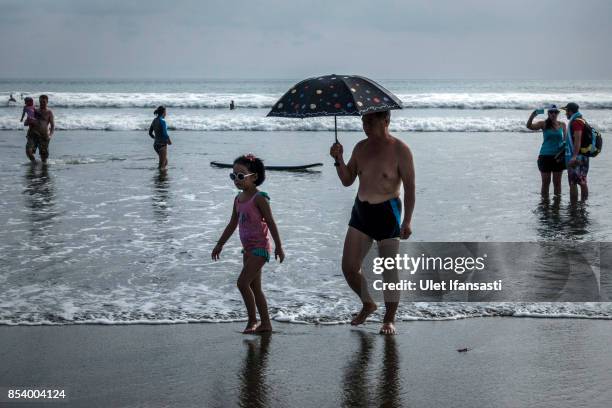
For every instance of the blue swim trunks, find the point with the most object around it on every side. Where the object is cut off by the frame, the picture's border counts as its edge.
(378, 221)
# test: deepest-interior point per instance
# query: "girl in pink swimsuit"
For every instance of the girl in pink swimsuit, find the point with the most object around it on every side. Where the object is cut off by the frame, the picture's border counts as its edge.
(252, 214)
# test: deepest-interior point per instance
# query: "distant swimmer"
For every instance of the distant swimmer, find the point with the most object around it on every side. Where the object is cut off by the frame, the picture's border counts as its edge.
(232, 106)
(12, 99)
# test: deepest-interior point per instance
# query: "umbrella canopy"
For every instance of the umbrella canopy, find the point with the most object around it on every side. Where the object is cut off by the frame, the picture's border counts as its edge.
(334, 95)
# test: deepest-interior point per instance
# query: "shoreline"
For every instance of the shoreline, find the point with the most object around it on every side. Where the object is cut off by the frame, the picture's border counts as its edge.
(517, 362)
(162, 322)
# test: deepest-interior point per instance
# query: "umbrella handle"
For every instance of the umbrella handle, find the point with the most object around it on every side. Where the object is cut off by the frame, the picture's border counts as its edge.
(336, 136)
(336, 128)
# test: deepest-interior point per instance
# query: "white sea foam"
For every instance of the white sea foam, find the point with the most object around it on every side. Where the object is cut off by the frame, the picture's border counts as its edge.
(504, 100)
(152, 100)
(227, 122)
(38, 304)
(190, 311)
(455, 100)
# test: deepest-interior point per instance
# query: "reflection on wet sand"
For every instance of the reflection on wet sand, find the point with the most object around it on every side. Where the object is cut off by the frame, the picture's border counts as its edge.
(555, 222)
(39, 198)
(357, 390)
(389, 380)
(253, 387)
(578, 219)
(161, 195)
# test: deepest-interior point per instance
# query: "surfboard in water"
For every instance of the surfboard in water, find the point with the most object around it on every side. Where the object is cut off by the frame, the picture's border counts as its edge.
(286, 168)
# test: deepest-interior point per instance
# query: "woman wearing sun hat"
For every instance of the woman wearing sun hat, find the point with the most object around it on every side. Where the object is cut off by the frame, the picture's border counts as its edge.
(550, 163)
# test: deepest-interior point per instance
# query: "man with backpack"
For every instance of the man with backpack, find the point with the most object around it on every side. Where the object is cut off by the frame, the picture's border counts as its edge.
(579, 144)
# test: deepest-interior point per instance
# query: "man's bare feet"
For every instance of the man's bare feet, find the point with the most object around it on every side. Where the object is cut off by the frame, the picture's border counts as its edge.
(366, 310)
(264, 328)
(250, 328)
(387, 328)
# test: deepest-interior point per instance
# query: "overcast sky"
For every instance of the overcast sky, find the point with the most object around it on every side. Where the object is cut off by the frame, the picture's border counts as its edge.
(293, 39)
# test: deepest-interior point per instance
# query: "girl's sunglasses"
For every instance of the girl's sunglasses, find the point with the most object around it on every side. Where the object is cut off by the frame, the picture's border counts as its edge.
(239, 176)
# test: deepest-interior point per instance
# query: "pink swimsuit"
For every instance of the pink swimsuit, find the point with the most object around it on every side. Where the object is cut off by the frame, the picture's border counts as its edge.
(252, 227)
(30, 112)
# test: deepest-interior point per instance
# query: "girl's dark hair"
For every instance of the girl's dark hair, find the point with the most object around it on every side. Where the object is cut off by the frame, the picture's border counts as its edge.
(255, 165)
(548, 124)
(159, 111)
(29, 101)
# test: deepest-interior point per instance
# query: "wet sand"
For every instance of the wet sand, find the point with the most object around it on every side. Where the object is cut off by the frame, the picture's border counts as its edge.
(510, 362)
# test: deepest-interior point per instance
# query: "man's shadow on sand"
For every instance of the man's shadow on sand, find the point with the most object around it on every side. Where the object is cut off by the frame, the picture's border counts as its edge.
(384, 391)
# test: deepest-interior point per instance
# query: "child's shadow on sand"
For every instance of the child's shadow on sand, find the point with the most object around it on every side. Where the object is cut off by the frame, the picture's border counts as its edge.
(254, 390)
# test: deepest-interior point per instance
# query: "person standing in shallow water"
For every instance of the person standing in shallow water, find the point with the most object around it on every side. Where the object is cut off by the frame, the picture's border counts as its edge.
(576, 160)
(383, 163)
(40, 132)
(252, 214)
(553, 132)
(159, 132)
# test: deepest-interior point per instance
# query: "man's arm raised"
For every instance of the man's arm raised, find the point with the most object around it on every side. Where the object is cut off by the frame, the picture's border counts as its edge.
(406, 170)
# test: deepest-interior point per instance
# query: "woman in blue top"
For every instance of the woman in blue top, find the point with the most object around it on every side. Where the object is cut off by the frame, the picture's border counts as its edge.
(159, 132)
(554, 135)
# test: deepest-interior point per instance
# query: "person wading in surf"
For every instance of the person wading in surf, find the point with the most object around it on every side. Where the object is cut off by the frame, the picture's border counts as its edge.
(383, 163)
(40, 132)
(159, 132)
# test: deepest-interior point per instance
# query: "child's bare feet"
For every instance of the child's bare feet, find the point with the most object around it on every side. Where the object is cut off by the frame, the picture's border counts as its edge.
(366, 310)
(250, 328)
(264, 328)
(387, 328)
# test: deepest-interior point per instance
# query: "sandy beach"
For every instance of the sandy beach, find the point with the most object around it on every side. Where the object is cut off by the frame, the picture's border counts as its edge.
(514, 362)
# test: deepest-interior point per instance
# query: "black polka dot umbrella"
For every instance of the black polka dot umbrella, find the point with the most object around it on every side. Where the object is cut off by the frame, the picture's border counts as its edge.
(334, 95)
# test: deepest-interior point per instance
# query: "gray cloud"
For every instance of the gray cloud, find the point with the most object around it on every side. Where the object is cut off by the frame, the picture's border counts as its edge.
(265, 39)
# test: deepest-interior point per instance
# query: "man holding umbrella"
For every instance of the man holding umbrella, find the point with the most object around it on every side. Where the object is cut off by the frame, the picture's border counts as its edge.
(383, 163)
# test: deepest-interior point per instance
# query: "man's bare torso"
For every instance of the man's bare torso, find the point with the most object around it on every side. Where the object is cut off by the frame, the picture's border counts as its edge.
(378, 169)
(44, 117)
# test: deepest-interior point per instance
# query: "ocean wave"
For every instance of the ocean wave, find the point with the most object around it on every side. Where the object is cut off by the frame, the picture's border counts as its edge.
(523, 101)
(152, 100)
(228, 122)
(217, 100)
(311, 314)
